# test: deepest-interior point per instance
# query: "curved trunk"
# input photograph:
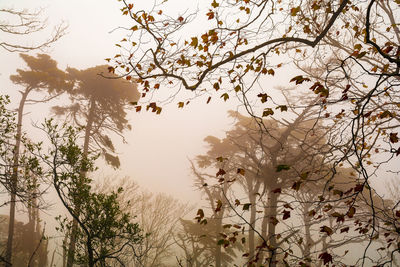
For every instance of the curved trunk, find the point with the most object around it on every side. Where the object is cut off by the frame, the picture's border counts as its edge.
(14, 178)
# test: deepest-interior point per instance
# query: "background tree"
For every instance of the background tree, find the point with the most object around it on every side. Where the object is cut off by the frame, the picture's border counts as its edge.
(214, 187)
(270, 163)
(351, 48)
(158, 215)
(98, 105)
(42, 75)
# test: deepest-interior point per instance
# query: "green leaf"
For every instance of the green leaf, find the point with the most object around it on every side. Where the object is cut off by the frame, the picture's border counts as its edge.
(282, 167)
(246, 206)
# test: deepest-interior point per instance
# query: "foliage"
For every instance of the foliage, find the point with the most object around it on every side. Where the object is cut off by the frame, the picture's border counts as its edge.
(345, 53)
(99, 105)
(104, 229)
(158, 216)
(275, 195)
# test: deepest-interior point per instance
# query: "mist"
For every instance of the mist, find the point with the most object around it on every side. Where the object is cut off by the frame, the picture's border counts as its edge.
(171, 134)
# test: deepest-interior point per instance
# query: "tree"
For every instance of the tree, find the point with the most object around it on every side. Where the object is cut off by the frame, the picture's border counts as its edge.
(42, 75)
(104, 230)
(265, 166)
(287, 217)
(214, 232)
(25, 23)
(351, 48)
(158, 215)
(98, 105)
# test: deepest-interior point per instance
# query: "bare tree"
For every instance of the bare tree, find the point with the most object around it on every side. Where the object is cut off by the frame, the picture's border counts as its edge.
(25, 23)
(158, 215)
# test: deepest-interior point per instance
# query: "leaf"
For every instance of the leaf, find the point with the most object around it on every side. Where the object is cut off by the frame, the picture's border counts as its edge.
(326, 229)
(210, 15)
(300, 79)
(360, 55)
(237, 202)
(216, 86)
(219, 205)
(393, 138)
(181, 104)
(241, 171)
(358, 187)
(273, 220)
(304, 175)
(351, 212)
(221, 242)
(220, 172)
(326, 258)
(200, 215)
(221, 159)
(345, 230)
(214, 4)
(194, 42)
(180, 19)
(267, 112)
(208, 100)
(282, 167)
(294, 11)
(264, 97)
(246, 206)
(296, 185)
(286, 214)
(277, 190)
(225, 96)
(282, 108)
(271, 72)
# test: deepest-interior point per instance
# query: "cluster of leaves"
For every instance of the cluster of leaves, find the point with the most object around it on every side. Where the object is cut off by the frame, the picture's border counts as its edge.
(105, 231)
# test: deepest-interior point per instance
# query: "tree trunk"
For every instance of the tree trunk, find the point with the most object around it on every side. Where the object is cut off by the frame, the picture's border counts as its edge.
(307, 225)
(272, 212)
(253, 210)
(88, 129)
(14, 179)
(218, 249)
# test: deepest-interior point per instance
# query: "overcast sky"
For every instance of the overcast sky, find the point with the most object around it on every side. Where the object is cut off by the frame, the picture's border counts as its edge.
(159, 146)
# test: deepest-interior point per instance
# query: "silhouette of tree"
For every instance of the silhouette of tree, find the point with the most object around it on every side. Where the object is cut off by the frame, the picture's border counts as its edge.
(98, 105)
(42, 76)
